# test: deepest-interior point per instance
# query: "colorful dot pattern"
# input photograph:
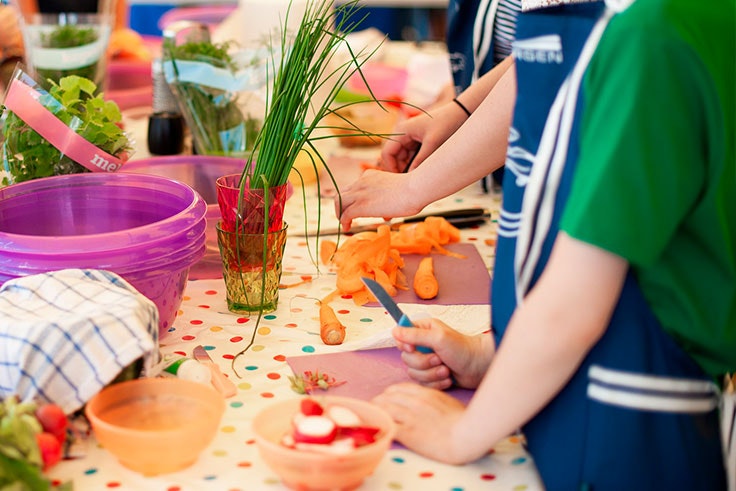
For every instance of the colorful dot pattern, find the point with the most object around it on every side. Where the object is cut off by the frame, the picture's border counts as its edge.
(231, 462)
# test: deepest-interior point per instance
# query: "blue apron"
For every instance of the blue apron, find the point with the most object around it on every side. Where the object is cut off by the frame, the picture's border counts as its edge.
(471, 56)
(639, 414)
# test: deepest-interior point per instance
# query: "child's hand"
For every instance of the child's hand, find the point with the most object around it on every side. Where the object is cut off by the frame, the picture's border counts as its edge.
(368, 196)
(424, 419)
(457, 358)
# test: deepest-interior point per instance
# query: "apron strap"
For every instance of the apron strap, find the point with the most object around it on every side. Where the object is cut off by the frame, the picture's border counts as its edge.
(549, 163)
(728, 428)
(483, 34)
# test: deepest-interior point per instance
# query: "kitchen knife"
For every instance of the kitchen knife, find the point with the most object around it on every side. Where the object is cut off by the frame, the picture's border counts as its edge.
(224, 385)
(388, 303)
(462, 218)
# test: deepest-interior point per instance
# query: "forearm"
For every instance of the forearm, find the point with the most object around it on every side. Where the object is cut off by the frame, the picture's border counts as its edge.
(560, 320)
(473, 151)
(473, 96)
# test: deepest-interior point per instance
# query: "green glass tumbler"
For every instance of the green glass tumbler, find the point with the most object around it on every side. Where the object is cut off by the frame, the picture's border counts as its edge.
(252, 265)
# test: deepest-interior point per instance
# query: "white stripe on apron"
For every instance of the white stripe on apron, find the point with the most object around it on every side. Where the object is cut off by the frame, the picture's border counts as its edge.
(537, 211)
(483, 34)
(651, 392)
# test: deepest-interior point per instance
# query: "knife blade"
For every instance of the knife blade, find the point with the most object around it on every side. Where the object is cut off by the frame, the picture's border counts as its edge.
(391, 307)
(224, 385)
(460, 218)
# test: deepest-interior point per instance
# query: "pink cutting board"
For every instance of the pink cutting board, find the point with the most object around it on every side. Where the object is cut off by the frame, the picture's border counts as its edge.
(366, 373)
(462, 281)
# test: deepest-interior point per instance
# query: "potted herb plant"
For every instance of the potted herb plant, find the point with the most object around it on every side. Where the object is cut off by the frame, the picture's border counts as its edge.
(68, 129)
(59, 45)
(305, 77)
(207, 80)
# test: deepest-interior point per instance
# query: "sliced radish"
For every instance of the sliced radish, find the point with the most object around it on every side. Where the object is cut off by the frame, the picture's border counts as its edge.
(361, 435)
(310, 407)
(288, 441)
(343, 416)
(338, 447)
(315, 429)
(296, 418)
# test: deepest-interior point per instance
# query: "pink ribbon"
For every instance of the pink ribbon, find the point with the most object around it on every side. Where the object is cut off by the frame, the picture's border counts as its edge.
(23, 101)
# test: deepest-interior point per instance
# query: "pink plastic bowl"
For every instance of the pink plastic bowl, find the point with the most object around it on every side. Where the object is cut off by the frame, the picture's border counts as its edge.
(317, 471)
(200, 173)
(148, 229)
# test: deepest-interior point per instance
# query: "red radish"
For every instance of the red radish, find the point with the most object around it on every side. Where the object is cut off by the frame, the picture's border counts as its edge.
(296, 418)
(315, 429)
(53, 420)
(360, 435)
(343, 416)
(310, 407)
(337, 447)
(288, 441)
(50, 449)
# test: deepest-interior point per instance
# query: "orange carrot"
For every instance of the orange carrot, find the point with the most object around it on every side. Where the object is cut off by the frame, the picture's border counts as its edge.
(363, 297)
(331, 331)
(425, 282)
(326, 251)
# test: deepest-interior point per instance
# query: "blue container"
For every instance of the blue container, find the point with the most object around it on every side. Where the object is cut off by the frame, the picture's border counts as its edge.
(144, 17)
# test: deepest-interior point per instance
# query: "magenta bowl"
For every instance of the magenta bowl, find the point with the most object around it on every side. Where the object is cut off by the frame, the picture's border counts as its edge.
(148, 229)
(200, 173)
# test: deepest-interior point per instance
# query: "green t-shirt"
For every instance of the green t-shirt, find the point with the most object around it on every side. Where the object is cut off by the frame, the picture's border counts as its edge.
(656, 177)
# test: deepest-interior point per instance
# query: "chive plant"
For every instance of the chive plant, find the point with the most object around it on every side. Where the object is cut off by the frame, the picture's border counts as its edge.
(304, 71)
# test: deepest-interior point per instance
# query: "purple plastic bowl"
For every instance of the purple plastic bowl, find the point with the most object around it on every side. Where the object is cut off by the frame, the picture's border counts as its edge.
(111, 211)
(197, 171)
(148, 229)
(200, 172)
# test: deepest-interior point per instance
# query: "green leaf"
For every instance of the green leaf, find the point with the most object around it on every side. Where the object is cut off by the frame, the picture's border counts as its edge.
(27, 155)
(19, 475)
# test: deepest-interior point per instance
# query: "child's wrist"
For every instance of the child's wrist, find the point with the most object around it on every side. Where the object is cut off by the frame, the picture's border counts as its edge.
(462, 106)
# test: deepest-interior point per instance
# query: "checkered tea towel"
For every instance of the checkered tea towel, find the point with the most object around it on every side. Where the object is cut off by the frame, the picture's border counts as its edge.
(66, 334)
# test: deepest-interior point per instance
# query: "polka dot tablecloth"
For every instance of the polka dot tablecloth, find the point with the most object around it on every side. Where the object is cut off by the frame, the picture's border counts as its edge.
(231, 462)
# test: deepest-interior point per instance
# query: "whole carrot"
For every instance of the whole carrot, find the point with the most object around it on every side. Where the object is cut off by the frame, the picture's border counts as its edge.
(425, 282)
(331, 331)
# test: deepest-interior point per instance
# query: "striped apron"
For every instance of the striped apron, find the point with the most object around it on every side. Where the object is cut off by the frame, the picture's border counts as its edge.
(639, 414)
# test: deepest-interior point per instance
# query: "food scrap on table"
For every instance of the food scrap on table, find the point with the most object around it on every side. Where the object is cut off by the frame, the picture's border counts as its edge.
(304, 280)
(311, 381)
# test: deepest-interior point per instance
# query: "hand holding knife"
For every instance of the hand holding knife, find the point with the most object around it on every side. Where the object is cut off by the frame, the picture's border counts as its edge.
(388, 303)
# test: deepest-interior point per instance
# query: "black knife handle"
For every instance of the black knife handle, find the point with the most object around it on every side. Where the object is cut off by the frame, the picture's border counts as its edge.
(465, 217)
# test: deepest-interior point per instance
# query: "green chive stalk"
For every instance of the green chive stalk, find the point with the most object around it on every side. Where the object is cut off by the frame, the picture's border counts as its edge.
(300, 74)
(303, 71)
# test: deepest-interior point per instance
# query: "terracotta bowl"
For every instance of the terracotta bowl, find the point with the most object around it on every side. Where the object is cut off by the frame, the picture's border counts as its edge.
(156, 425)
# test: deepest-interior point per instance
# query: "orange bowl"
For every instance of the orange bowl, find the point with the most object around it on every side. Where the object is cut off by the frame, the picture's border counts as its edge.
(369, 117)
(312, 471)
(155, 425)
